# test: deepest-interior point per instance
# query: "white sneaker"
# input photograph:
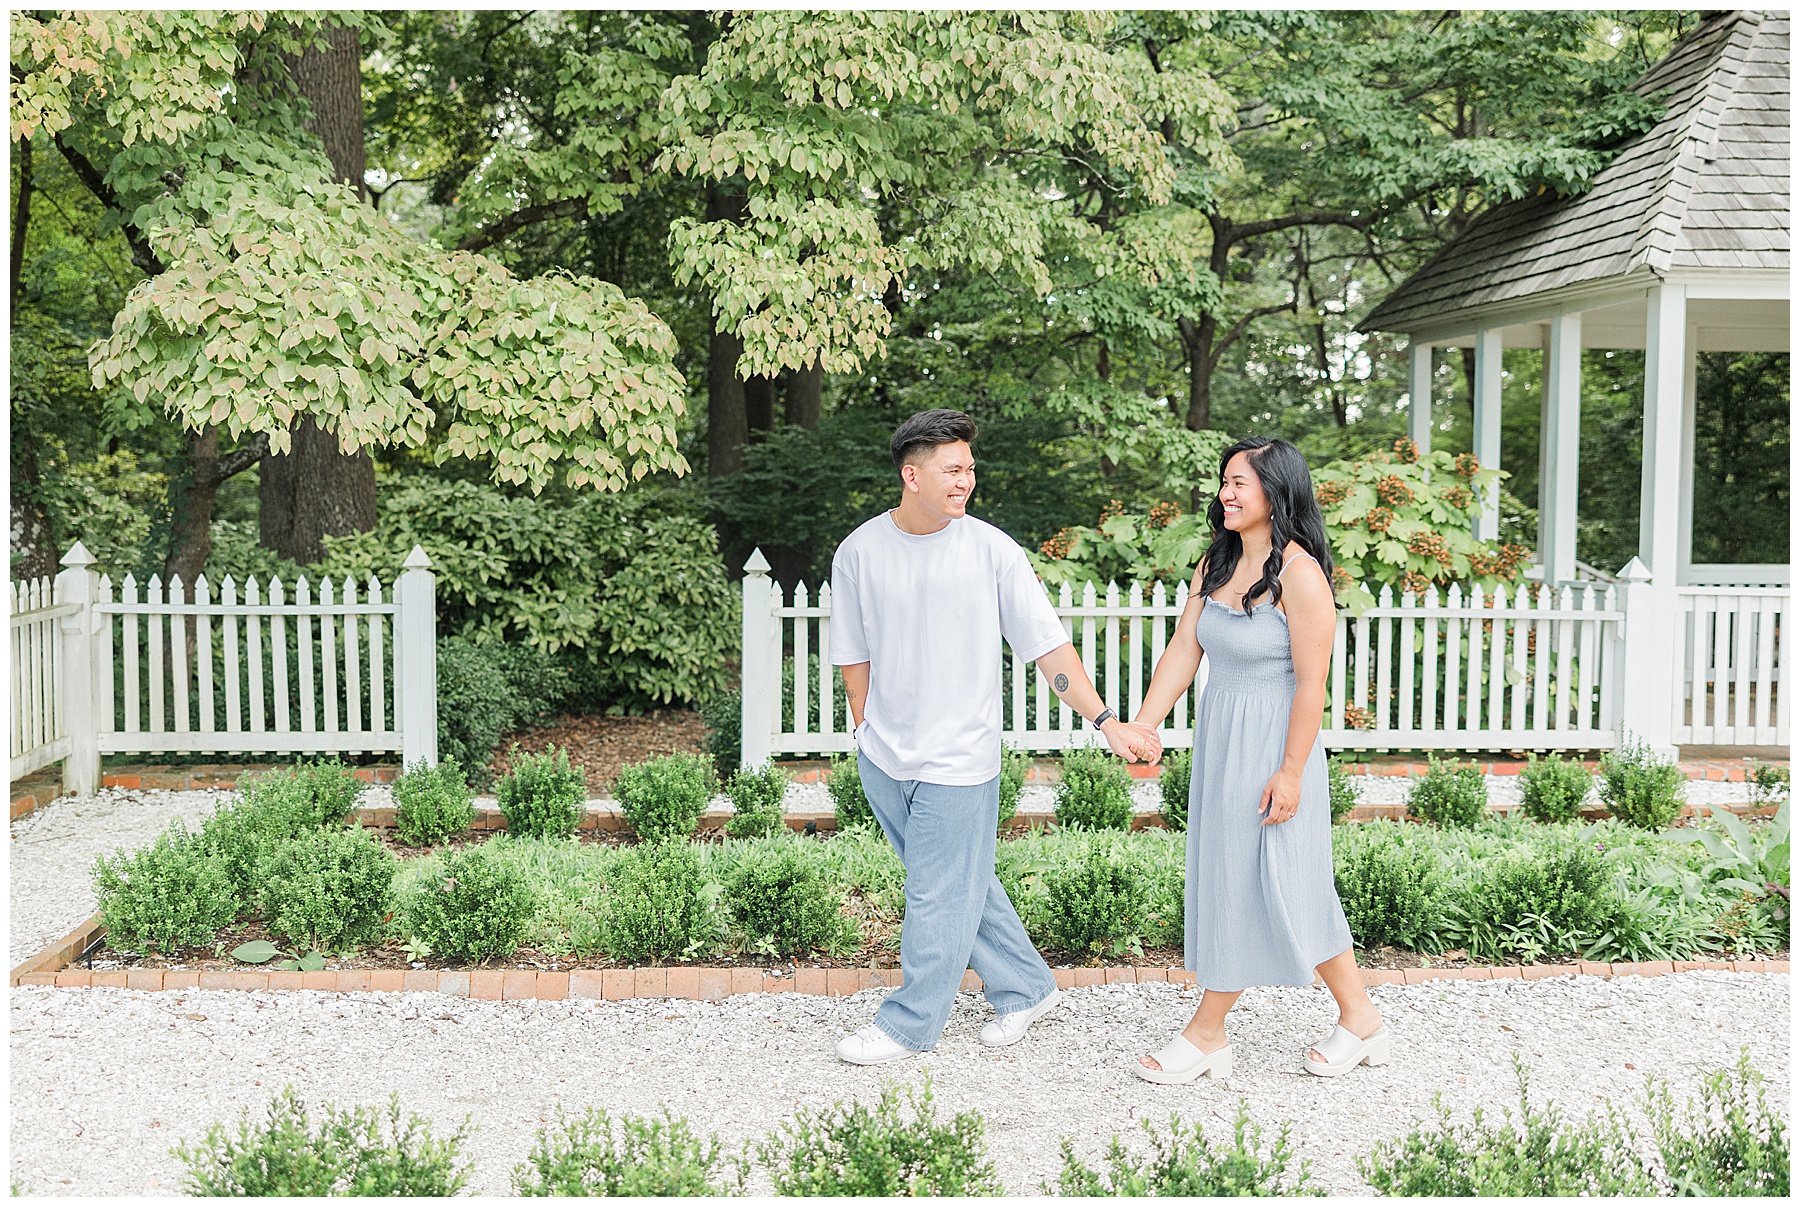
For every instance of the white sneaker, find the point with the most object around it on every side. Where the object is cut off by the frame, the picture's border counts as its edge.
(1010, 1028)
(871, 1046)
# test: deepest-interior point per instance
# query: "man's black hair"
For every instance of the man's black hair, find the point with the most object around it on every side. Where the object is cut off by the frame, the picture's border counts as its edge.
(927, 430)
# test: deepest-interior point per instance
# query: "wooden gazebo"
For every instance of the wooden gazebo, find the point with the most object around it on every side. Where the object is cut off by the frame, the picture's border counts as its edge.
(1680, 246)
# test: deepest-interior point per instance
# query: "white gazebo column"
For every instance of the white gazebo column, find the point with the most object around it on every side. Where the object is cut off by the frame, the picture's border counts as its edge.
(1684, 520)
(1647, 703)
(1562, 449)
(1418, 399)
(1487, 426)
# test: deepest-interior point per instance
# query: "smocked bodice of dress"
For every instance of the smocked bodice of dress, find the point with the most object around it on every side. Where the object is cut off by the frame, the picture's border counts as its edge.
(1246, 651)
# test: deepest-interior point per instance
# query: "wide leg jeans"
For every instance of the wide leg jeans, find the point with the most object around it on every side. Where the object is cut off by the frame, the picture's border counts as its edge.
(957, 914)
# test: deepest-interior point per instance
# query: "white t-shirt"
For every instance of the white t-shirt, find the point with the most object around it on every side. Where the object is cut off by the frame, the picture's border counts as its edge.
(927, 613)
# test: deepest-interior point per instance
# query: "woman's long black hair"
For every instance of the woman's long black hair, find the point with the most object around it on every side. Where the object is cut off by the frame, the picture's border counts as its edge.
(1293, 516)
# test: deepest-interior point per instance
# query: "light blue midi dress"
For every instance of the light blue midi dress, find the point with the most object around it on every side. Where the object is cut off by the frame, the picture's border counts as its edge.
(1262, 904)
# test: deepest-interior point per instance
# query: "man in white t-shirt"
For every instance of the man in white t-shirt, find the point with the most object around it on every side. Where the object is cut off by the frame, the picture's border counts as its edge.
(921, 597)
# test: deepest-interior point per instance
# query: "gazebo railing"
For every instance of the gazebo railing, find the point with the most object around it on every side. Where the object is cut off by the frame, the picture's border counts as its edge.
(1731, 687)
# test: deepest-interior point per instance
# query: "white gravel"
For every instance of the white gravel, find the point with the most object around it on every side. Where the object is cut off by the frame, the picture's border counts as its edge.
(105, 1081)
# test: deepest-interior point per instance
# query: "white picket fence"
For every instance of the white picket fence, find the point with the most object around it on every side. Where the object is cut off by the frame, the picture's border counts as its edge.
(1530, 668)
(1731, 667)
(270, 670)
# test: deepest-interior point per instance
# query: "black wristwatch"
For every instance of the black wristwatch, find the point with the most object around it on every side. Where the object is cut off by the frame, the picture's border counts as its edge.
(1106, 714)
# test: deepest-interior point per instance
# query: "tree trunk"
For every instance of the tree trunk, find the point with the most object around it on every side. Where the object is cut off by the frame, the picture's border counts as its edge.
(191, 506)
(1468, 360)
(315, 491)
(21, 221)
(806, 396)
(1197, 339)
(726, 428)
(759, 403)
(33, 540)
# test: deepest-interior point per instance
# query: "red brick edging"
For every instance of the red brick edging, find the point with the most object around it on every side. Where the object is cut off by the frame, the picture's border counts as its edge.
(51, 967)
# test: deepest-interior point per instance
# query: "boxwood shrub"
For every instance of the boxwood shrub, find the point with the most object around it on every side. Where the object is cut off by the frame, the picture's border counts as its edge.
(1449, 794)
(1552, 789)
(165, 897)
(474, 907)
(328, 889)
(787, 902)
(1640, 789)
(542, 796)
(1095, 790)
(432, 804)
(1097, 904)
(597, 1156)
(844, 783)
(665, 798)
(1176, 782)
(656, 904)
(756, 801)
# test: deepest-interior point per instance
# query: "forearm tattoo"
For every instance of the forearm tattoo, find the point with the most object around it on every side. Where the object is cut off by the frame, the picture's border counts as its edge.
(1060, 683)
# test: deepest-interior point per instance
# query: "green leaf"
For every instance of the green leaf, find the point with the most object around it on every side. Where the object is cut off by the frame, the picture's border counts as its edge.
(256, 951)
(312, 961)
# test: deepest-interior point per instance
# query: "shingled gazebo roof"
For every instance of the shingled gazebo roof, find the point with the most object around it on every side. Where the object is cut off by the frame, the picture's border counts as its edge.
(1706, 188)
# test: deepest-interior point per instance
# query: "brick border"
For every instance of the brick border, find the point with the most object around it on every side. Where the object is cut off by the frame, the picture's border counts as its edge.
(51, 967)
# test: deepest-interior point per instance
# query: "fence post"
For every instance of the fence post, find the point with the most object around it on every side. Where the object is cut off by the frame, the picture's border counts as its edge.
(756, 737)
(415, 679)
(1646, 703)
(75, 677)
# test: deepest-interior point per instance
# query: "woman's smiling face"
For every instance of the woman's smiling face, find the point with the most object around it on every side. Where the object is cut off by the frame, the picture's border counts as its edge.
(1241, 494)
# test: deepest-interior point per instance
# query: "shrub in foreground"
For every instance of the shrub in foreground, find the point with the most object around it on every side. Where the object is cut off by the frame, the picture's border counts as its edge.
(1341, 787)
(1732, 1145)
(852, 1149)
(1552, 789)
(756, 801)
(328, 890)
(432, 804)
(1099, 904)
(164, 897)
(596, 1155)
(1640, 789)
(1095, 790)
(475, 907)
(1389, 893)
(666, 797)
(1185, 1163)
(542, 796)
(787, 903)
(1538, 1154)
(1176, 782)
(844, 783)
(657, 904)
(347, 1154)
(1449, 794)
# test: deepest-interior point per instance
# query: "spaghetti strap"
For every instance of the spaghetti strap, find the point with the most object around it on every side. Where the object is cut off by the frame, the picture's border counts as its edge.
(1290, 561)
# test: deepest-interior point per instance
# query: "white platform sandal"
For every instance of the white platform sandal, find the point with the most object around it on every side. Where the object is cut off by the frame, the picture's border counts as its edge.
(1343, 1050)
(1183, 1064)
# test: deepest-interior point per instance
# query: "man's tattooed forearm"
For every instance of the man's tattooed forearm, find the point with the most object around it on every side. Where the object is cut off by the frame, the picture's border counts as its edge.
(1061, 683)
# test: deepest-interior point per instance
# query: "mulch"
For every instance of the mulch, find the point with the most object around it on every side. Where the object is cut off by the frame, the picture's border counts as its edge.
(603, 746)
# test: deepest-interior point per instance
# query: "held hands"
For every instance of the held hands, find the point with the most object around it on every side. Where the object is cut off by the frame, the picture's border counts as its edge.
(1280, 797)
(1133, 743)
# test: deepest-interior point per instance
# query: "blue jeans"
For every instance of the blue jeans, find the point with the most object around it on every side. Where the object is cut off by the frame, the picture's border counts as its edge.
(957, 915)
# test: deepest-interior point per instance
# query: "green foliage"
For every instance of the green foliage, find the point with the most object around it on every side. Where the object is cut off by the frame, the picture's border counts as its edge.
(1530, 905)
(1737, 860)
(1538, 1154)
(328, 889)
(432, 804)
(1553, 789)
(1449, 794)
(756, 801)
(627, 592)
(595, 1155)
(665, 798)
(1176, 782)
(855, 1150)
(1769, 783)
(657, 904)
(1095, 790)
(542, 796)
(472, 907)
(1729, 1146)
(723, 714)
(1405, 520)
(487, 688)
(314, 794)
(1096, 905)
(270, 812)
(1389, 892)
(1641, 789)
(1184, 1163)
(844, 783)
(164, 897)
(1341, 787)
(784, 899)
(346, 1153)
(1014, 764)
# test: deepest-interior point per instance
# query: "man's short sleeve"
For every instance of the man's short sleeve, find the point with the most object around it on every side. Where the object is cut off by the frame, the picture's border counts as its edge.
(849, 644)
(1027, 618)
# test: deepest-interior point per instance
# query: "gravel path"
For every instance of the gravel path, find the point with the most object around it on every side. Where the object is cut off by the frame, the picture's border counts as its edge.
(105, 1081)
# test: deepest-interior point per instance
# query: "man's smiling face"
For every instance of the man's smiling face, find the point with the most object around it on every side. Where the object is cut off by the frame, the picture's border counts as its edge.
(944, 480)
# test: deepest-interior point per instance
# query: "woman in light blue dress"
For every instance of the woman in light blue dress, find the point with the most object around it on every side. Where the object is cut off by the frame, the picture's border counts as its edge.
(1262, 905)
